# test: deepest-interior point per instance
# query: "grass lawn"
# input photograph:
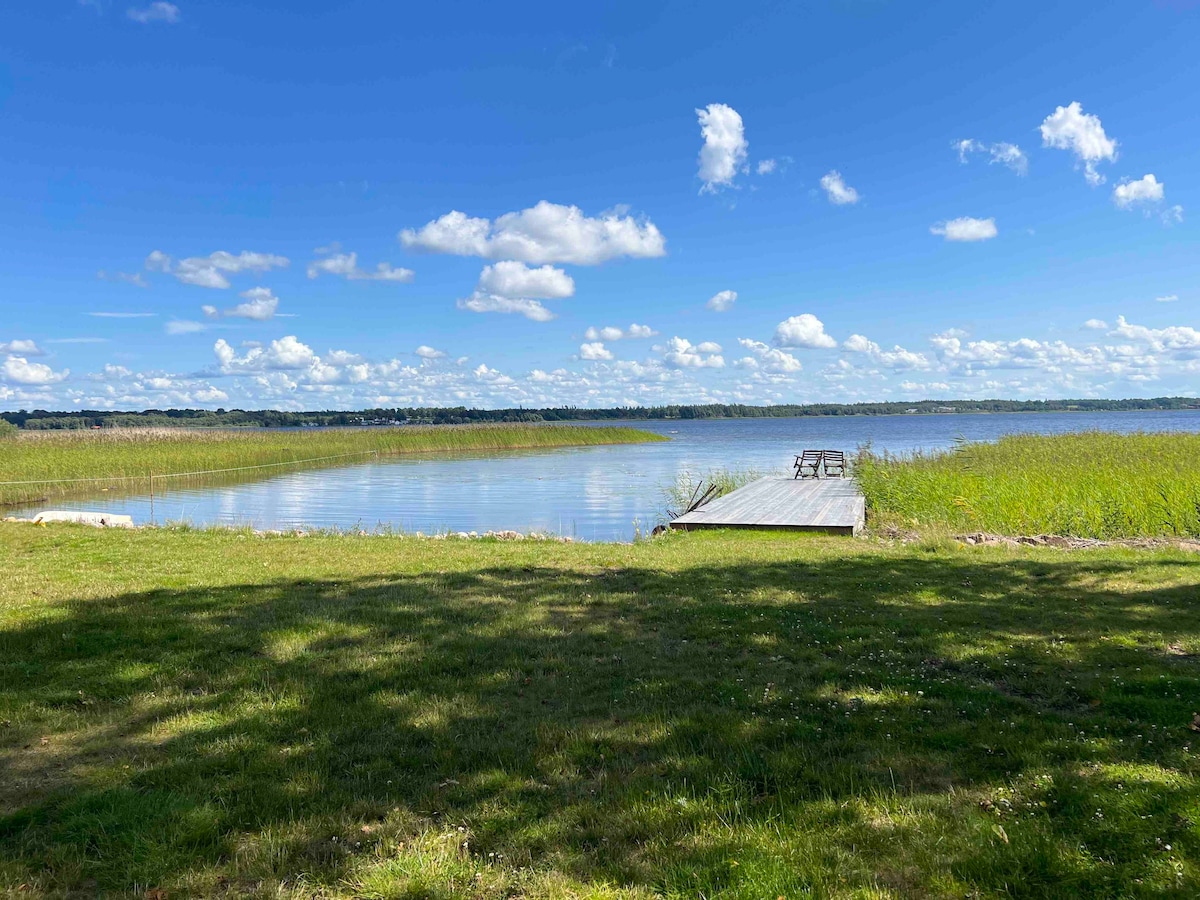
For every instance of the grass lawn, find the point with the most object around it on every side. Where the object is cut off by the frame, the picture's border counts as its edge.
(704, 715)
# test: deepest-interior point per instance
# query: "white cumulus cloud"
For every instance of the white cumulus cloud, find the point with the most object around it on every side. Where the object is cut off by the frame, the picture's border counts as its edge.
(896, 358)
(545, 233)
(594, 350)
(836, 189)
(804, 330)
(1096, 324)
(725, 146)
(21, 348)
(1146, 191)
(1070, 128)
(965, 228)
(19, 370)
(683, 354)
(210, 394)
(511, 286)
(767, 358)
(1173, 337)
(286, 354)
(512, 278)
(260, 305)
(722, 300)
(427, 352)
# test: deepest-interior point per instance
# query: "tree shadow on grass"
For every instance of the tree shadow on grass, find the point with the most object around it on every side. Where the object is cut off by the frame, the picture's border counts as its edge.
(822, 724)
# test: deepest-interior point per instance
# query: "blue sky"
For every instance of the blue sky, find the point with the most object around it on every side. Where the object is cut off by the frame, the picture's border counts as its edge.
(310, 205)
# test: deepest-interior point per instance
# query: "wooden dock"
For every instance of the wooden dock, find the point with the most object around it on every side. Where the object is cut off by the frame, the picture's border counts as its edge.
(831, 505)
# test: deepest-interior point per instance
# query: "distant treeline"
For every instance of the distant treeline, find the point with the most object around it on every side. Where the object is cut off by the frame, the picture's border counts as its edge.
(460, 415)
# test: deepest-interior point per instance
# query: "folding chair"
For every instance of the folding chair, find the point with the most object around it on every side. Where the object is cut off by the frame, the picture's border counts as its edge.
(808, 464)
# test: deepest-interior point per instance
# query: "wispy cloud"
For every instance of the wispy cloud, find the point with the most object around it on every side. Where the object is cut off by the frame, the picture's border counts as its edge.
(613, 333)
(136, 278)
(183, 326)
(346, 265)
(261, 305)
(167, 13)
(211, 271)
(1009, 155)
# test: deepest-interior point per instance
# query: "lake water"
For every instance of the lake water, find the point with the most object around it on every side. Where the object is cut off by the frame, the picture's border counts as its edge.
(593, 493)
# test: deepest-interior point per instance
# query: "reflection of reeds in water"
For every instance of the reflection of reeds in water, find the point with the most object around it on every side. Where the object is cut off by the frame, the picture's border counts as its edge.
(126, 460)
(690, 492)
(1091, 484)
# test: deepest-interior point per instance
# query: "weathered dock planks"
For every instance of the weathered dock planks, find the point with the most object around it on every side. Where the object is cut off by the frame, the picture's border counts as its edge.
(831, 505)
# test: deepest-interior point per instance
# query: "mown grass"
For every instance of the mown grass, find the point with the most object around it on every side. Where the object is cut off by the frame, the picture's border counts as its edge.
(125, 458)
(1091, 484)
(708, 715)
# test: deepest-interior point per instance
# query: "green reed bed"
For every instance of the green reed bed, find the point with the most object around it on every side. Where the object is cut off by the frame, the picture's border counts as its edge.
(126, 458)
(1091, 484)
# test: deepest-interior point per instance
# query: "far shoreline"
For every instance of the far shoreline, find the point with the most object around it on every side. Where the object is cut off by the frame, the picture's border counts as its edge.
(46, 420)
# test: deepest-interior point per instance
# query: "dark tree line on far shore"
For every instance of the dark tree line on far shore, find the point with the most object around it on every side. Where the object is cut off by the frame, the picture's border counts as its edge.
(271, 418)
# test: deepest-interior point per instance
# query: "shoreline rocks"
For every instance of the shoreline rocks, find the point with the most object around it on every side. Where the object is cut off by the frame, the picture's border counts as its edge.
(81, 517)
(1062, 542)
(110, 520)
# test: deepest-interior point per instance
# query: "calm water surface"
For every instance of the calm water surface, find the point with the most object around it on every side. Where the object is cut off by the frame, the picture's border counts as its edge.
(594, 493)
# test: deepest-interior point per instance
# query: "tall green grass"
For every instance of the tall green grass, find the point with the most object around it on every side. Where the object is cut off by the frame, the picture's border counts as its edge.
(124, 459)
(1091, 484)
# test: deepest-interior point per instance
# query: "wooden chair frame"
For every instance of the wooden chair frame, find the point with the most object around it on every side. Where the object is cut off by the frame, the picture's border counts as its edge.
(835, 463)
(808, 464)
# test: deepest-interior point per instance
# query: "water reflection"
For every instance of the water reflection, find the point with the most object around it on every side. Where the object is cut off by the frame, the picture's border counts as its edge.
(594, 493)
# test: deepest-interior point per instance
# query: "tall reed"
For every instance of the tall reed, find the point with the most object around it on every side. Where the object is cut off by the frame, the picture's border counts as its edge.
(126, 458)
(1090, 484)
